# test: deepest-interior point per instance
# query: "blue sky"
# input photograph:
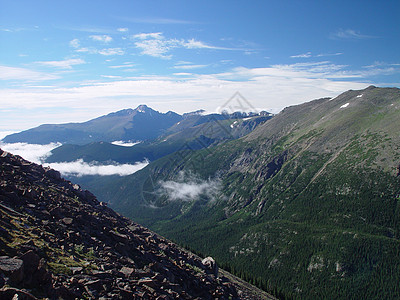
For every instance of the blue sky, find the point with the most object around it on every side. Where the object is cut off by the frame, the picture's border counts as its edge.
(70, 61)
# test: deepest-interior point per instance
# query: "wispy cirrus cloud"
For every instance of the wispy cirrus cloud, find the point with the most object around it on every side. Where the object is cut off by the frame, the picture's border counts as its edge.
(158, 21)
(105, 51)
(189, 67)
(124, 65)
(271, 88)
(111, 51)
(62, 64)
(350, 34)
(380, 68)
(152, 35)
(88, 29)
(18, 29)
(194, 44)
(156, 45)
(16, 73)
(101, 38)
(309, 55)
(304, 55)
(329, 54)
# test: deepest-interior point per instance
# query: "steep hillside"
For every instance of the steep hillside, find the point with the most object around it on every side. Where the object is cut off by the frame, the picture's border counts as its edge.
(142, 123)
(57, 241)
(305, 206)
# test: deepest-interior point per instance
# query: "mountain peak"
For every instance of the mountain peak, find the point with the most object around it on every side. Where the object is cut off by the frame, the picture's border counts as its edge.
(123, 112)
(143, 108)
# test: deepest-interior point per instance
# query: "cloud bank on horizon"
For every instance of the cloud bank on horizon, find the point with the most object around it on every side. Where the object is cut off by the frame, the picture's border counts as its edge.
(39, 153)
(63, 64)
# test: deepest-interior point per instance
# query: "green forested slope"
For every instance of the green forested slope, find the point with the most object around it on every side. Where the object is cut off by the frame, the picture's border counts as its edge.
(307, 205)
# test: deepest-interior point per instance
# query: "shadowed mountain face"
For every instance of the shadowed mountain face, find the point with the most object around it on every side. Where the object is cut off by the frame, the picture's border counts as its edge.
(194, 132)
(306, 205)
(142, 123)
(58, 241)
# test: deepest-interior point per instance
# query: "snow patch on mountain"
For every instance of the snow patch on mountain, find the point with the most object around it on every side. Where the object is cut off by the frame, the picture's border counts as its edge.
(345, 105)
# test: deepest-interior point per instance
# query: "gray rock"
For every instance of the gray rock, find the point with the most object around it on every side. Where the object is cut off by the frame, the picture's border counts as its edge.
(53, 173)
(210, 265)
(13, 268)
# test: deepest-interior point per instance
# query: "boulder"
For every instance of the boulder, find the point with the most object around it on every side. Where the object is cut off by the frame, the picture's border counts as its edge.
(13, 268)
(210, 266)
(31, 263)
(53, 174)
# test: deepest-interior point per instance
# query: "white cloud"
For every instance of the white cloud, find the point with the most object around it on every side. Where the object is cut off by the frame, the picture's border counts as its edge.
(75, 43)
(193, 44)
(156, 21)
(101, 38)
(81, 168)
(350, 34)
(111, 51)
(145, 36)
(111, 76)
(105, 51)
(189, 67)
(15, 73)
(271, 88)
(62, 64)
(32, 152)
(39, 153)
(329, 54)
(123, 29)
(156, 45)
(304, 55)
(182, 74)
(188, 187)
(128, 65)
(309, 54)
(88, 50)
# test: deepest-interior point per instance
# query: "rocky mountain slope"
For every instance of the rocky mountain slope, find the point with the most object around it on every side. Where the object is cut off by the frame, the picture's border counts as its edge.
(305, 206)
(58, 241)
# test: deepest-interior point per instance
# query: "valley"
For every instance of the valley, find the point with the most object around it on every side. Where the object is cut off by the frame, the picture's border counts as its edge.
(303, 204)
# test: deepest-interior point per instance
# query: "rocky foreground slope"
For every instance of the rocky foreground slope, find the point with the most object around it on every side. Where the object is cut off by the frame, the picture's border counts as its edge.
(58, 241)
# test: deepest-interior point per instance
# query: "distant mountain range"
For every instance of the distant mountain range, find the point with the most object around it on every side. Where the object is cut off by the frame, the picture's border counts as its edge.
(142, 123)
(306, 205)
